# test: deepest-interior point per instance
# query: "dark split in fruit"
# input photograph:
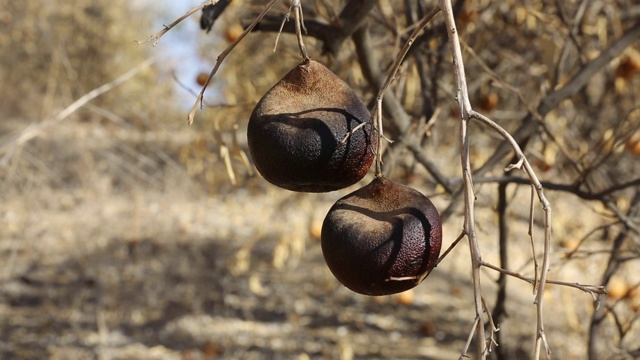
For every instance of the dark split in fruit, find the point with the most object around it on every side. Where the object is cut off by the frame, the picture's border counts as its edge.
(382, 239)
(310, 132)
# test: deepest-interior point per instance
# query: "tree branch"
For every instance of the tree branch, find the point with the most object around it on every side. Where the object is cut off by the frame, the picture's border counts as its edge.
(548, 185)
(549, 102)
(34, 130)
(351, 18)
(462, 96)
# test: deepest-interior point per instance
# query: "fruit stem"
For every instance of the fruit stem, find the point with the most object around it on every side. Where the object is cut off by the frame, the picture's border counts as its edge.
(378, 124)
(297, 8)
(392, 75)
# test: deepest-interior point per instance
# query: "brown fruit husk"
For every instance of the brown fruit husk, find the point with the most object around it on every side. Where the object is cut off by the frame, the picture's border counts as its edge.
(382, 238)
(303, 134)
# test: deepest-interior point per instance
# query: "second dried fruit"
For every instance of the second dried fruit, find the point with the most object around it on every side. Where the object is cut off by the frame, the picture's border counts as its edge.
(382, 238)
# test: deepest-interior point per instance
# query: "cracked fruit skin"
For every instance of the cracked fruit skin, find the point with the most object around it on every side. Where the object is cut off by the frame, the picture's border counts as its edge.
(301, 133)
(382, 238)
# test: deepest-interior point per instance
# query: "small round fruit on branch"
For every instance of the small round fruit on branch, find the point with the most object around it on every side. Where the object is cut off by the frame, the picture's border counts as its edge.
(310, 132)
(382, 239)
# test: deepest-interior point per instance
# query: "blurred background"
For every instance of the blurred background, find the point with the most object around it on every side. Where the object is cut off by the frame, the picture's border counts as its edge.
(127, 234)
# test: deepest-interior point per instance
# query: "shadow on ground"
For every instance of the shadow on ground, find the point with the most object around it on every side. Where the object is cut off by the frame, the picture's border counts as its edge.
(145, 297)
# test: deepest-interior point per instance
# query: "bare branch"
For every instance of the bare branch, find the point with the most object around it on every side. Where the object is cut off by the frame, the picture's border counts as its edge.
(477, 323)
(352, 17)
(297, 8)
(453, 245)
(572, 87)
(223, 55)
(399, 120)
(156, 37)
(548, 185)
(390, 77)
(546, 207)
(35, 129)
(589, 289)
(464, 104)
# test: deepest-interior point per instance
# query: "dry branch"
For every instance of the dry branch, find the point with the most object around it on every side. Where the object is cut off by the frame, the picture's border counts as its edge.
(398, 119)
(34, 130)
(462, 97)
(549, 102)
(153, 39)
(377, 111)
(222, 56)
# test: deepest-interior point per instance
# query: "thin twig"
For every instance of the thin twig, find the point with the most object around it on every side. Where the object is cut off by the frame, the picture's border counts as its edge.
(399, 120)
(222, 56)
(297, 8)
(493, 328)
(589, 289)
(166, 28)
(34, 129)
(631, 224)
(546, 207)
(186, 88)
(476, 325)
(453, 245)
(532, 240)
(390, 77)
(547, 185)
(285, 19)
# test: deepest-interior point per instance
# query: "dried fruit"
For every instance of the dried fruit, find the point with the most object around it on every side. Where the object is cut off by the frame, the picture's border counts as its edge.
(382, 238)
(628, 67)
(233, 32)
(310, 132)
(617, 288)
(202, 78)
(489, 102)
(633, 143)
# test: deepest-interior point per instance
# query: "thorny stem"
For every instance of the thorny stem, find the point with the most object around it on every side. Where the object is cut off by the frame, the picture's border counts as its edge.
(284, 21)
(462, 96)
(541, 339)
(491, 341)
(466, 112)
(392, 75)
